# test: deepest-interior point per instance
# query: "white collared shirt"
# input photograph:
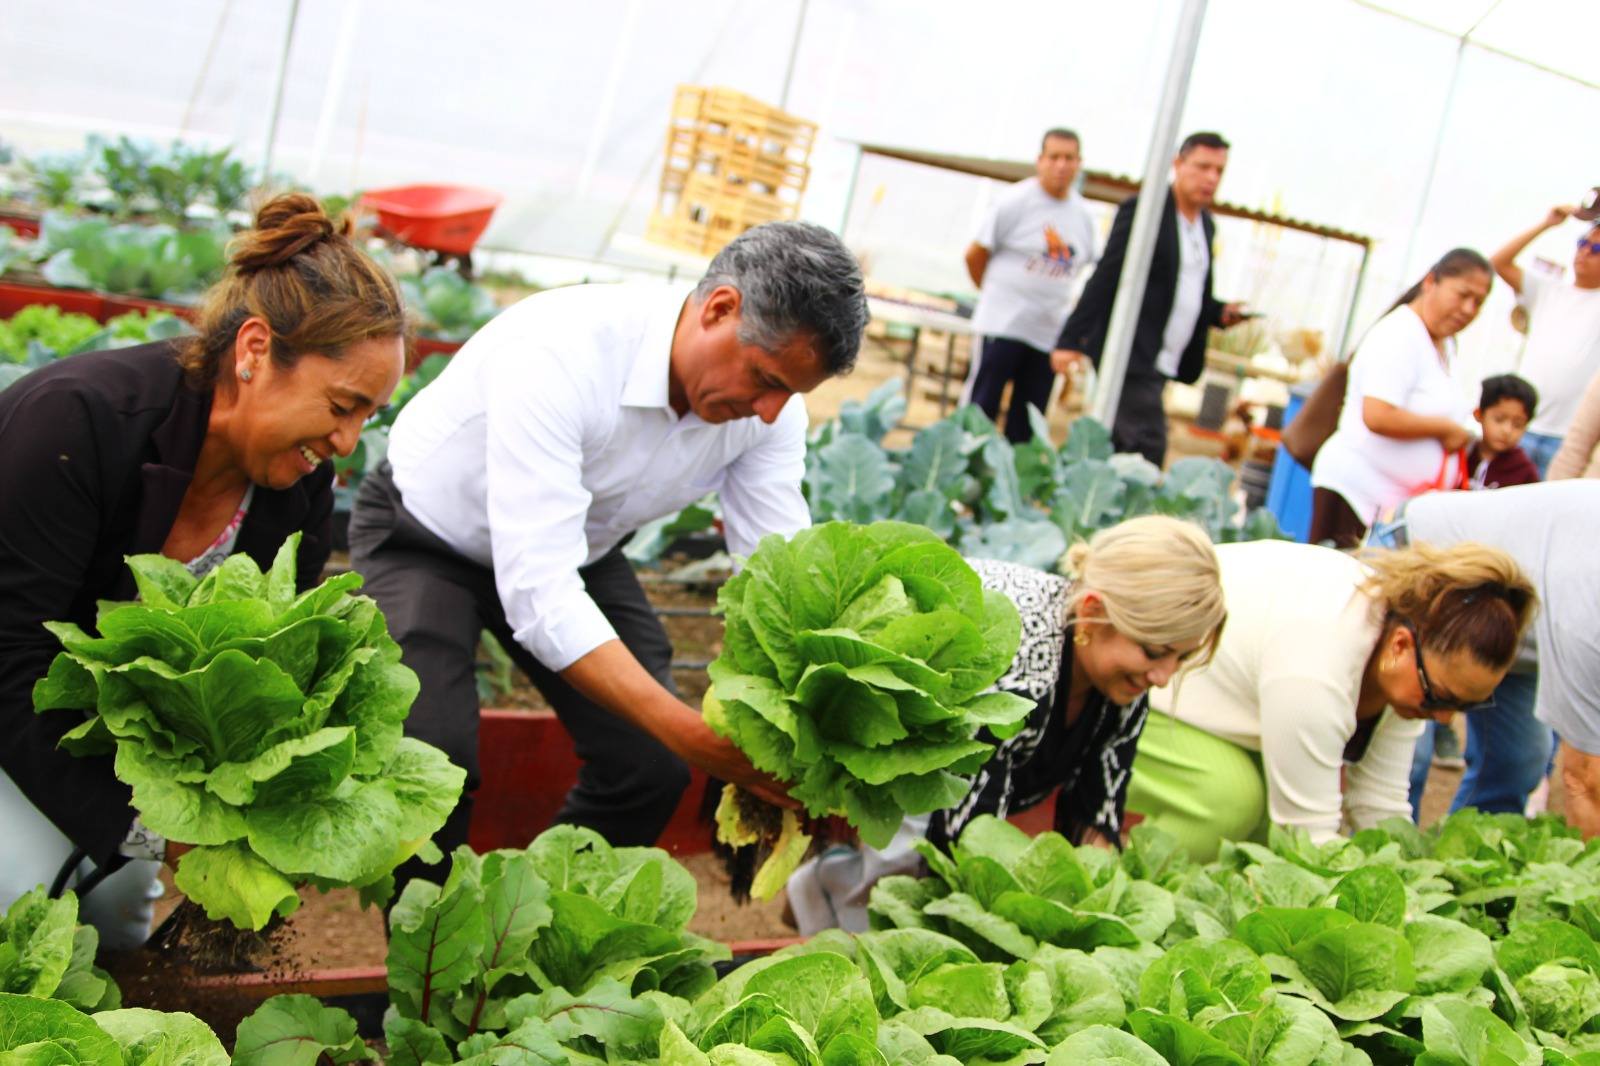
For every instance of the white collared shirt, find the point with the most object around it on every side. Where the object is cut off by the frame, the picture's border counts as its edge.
(1194, 259)
(549, 438)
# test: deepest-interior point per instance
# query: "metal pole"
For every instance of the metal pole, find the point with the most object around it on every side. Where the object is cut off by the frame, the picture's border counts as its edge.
(794, 53)
(1433, 160)
(277, 95)
(334, 93)
(850, 193)
(1147, 215)
(1342, 350)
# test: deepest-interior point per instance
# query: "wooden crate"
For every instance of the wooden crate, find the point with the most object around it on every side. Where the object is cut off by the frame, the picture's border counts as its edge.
(730, 162)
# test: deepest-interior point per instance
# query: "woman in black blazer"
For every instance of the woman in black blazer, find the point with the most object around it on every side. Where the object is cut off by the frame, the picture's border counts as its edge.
(194, 448)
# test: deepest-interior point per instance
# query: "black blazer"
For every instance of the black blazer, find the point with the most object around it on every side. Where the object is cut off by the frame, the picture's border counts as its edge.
(96, 452)
(1085, 330)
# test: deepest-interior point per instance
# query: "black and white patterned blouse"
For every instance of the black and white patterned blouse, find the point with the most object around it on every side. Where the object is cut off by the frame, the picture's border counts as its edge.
(1089, 760)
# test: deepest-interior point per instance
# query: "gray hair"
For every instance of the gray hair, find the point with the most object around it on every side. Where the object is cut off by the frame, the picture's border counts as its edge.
(794, 278)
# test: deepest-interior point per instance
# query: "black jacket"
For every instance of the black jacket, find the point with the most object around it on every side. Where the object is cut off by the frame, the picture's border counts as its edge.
(1085, 330)
(96, 453)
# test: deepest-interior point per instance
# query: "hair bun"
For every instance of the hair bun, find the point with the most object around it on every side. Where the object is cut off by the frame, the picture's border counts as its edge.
(286, 226)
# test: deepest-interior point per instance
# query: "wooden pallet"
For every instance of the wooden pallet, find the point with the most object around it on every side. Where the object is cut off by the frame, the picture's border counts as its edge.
(731, 162)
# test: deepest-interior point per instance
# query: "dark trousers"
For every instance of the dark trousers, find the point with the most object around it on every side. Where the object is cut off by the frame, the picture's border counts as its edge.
(437, 602)
(1141, 422)
(1332, 518)
(1028, 371)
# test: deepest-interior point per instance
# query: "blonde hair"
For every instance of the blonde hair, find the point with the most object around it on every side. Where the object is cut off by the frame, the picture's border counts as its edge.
(1158, 579)
(1465, 597)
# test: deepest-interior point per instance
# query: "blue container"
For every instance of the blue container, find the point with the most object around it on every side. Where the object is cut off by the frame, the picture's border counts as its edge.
(1289, 494)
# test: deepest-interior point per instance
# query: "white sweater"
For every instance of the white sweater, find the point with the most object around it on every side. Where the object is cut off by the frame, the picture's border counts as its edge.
(1285, 682)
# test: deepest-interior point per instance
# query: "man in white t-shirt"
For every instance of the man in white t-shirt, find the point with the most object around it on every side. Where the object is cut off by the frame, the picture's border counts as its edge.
(1169, 339)
(1563, 347)
(1032, 242)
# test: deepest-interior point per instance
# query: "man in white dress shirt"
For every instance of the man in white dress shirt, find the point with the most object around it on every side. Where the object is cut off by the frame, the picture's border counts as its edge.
(1169, 339)
(562, 426)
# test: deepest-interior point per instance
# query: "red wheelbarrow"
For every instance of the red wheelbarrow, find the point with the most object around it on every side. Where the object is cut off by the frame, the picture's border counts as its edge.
(446, 219)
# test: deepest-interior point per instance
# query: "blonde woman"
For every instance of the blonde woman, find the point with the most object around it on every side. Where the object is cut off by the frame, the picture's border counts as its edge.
(1143, 602)
(1309, 711)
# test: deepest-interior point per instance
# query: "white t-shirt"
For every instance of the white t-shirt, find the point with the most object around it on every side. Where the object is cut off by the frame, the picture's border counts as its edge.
(550, 437)
(1037, 245)
(1194, 259)
(1396, 363)
(1548, 528)
(1285, 682)
(1563, 349)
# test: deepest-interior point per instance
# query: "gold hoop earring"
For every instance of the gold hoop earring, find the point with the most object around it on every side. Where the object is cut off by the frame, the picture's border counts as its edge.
(1081, 639)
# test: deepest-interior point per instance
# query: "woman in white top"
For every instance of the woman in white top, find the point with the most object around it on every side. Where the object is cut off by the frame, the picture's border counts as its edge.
(1310, 709)
(1402, 412)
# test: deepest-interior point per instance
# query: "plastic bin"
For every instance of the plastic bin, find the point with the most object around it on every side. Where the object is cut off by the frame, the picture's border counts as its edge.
(1289, 493)
(440, 218)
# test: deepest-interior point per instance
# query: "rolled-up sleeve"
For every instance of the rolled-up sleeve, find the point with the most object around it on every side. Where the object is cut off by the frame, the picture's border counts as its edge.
(537, 505)
(761, 491)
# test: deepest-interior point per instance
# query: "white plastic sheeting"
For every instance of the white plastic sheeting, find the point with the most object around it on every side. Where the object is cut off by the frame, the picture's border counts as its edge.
(1332, 106)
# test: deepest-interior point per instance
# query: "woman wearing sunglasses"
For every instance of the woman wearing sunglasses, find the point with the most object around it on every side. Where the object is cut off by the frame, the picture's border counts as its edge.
(1309, 711)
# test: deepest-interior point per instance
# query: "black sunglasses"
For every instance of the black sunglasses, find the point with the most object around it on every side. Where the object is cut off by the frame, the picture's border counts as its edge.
(1430, 702)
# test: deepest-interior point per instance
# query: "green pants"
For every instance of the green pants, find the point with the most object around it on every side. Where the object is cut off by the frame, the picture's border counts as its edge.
(1198, 787)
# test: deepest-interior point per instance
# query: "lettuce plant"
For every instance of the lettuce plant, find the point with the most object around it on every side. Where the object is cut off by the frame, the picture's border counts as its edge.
(261, 727)
(46, 954)
(569, 942)
(854, 664)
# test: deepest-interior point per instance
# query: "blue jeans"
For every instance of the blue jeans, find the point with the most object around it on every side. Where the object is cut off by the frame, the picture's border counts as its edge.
(1508, 752)
(1541, 448)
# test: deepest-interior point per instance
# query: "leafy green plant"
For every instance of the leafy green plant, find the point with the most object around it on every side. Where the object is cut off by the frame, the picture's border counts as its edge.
(283, 1031)
(39, 334)
(853, 664)
(262, 727)
(571, 945)
(45, 953)
(13, 249)
(144, 179)
(449, 306)
(158, 262)
(57, 179)
(1021, 503)
(60, 332)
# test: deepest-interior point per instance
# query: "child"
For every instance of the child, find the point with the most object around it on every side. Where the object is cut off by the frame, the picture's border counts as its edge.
(1496, 461)
(1505, 407)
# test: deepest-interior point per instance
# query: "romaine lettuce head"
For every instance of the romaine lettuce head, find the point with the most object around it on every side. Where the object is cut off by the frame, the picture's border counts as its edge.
(855, 662)
(263, 727)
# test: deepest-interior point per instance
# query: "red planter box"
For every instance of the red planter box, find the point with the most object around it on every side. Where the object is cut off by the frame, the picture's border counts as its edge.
(528, 764)
(25, 226)
(99, 306)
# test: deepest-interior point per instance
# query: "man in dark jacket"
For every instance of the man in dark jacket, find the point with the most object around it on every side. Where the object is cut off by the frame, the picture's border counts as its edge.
(1170, 338)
